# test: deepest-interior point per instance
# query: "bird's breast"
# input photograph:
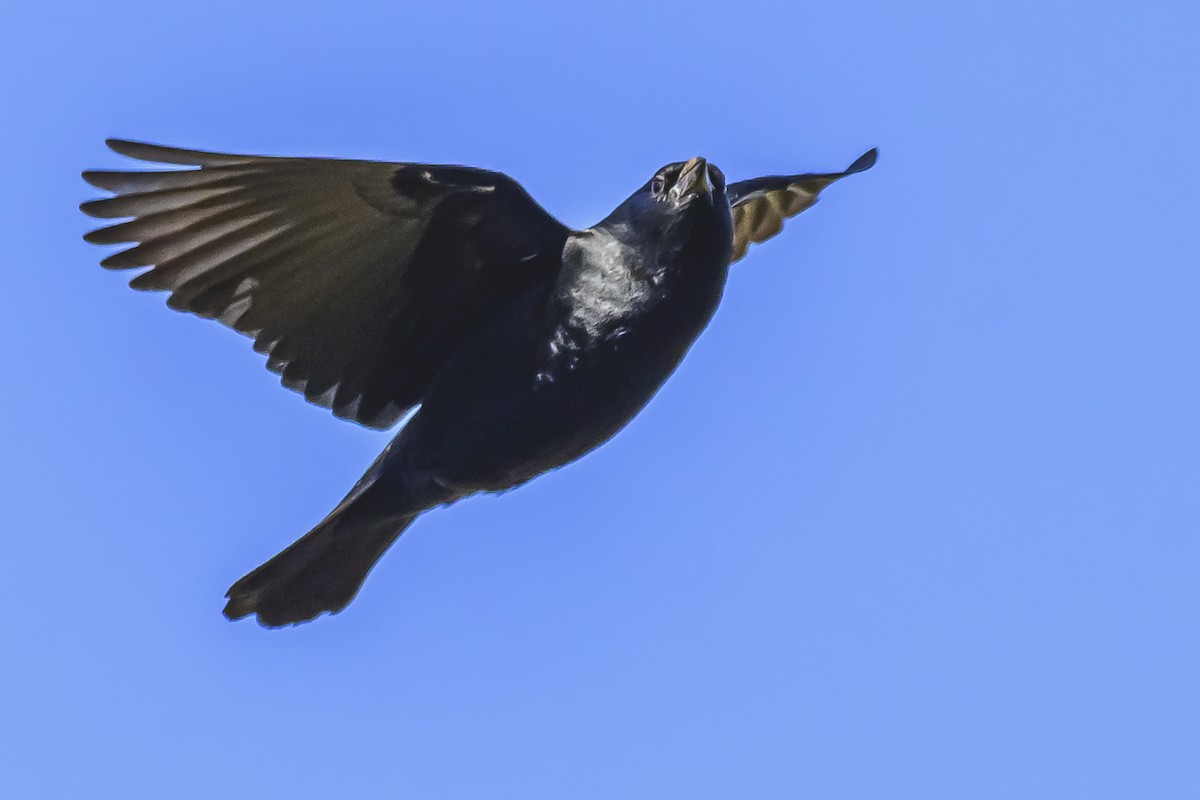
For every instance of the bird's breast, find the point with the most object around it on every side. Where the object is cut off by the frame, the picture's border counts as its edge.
(624, 324)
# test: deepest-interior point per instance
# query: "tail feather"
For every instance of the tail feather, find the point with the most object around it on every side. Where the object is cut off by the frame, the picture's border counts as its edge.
(322, 571)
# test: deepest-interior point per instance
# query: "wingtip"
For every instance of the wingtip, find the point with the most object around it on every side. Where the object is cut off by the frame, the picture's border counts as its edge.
(162, 154)
(95, 178)
(123, 146)
(146, 151)
(863, 162)
(97, 236)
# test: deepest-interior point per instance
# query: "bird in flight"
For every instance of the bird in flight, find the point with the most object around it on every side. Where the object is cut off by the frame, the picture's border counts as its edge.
(375, 288)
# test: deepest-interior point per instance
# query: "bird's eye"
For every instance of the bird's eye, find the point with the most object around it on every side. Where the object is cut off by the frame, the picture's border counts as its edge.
(658, 185)
(718, 177)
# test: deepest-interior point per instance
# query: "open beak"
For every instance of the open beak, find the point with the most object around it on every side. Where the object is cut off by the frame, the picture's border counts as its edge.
(693, 180)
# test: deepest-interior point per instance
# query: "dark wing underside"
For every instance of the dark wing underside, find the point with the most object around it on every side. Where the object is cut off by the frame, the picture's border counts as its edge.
(761, 205)
(357, 278)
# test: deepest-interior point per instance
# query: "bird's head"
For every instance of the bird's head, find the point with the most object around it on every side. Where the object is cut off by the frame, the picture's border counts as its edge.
(684, 202)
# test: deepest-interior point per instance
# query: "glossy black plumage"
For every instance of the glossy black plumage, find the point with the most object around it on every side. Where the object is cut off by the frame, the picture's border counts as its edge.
(376, 287)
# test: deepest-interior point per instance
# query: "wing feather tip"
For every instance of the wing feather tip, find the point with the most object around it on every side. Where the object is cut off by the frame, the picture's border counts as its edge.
(164, 154)
(125, 147)
(126, 259)
(100, 235)
(863, 162)
(95, 177)
(90, 208)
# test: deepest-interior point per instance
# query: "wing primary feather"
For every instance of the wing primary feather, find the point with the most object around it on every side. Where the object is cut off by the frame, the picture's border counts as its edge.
(182, 242)
(164, 223)
(160, 154)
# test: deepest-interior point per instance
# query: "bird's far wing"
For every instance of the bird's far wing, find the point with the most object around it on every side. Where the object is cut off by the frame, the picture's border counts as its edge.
(356, 278)
(761, 205)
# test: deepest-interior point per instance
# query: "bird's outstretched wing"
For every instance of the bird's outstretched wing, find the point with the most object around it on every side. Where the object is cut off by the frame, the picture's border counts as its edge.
(761, 205)
(357, 278)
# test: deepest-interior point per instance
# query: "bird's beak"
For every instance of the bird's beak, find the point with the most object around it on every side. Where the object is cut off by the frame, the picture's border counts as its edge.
(693, 180)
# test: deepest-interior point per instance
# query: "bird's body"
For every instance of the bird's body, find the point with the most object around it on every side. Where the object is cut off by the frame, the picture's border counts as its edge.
(513, 377)
(560, 371)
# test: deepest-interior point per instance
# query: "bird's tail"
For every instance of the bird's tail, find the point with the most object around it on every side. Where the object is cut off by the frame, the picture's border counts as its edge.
(324, 569)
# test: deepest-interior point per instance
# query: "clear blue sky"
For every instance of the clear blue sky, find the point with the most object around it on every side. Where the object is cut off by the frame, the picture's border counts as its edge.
(919, 517)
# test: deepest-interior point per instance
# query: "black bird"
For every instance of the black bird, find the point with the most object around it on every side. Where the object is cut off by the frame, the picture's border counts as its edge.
(374, 288)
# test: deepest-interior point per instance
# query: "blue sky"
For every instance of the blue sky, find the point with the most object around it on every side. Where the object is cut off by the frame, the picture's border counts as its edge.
(917, 517)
